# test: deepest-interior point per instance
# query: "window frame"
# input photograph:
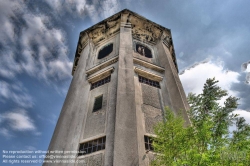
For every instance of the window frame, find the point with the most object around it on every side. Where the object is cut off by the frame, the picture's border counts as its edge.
(149, 82)
(143, 45)
(89, 147)
(100, 82)
(96, 98)
(101, 49)
(148, 143)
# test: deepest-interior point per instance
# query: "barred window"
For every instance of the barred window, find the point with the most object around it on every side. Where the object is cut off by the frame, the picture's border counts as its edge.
(100, 82)
(92, 146)
(148, 143)
(149, 82)
(98, 103)
(105, 51)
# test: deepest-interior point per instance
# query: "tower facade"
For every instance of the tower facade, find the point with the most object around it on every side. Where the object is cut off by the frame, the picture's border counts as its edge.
(124, 74)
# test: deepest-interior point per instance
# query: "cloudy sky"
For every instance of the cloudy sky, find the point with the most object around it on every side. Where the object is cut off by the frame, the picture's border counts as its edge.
(38, 41)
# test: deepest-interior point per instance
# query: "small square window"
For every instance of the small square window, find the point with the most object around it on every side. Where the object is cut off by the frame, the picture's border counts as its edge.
(98, 103)
(148, 143)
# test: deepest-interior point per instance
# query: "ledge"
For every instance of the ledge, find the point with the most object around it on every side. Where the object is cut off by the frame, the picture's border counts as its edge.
(101, 75)
(101, 66)
(148, 65)
(90, 154)
(148, 75)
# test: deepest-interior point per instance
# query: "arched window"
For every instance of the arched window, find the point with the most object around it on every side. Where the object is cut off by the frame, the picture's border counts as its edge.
(143, 50)
(105, 51)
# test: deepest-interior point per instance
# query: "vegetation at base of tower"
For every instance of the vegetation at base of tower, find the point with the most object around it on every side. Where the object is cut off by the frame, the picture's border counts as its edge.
(207, 141)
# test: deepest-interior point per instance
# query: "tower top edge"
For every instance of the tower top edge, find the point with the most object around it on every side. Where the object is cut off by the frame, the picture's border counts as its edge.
(126, 11)
(143, 30)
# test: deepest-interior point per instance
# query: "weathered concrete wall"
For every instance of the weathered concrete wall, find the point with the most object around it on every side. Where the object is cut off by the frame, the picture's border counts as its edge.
(69, 126)
(172, 91)
(93, 60)
(77, 123)
(111, 115)
(96, 159)
(125, 148)
(95, 121)
(102, 122)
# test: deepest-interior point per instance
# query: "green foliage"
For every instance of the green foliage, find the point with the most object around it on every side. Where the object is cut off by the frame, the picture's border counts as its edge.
(206, 141)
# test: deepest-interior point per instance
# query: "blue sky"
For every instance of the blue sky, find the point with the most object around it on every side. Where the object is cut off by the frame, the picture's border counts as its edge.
(38, 41)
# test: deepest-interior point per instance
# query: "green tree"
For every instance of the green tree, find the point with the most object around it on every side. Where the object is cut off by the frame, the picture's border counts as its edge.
(207, 140)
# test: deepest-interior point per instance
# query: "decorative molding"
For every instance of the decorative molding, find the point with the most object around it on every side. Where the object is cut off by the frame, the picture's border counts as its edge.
(105, 29)
(147, 74)
(126, 25)
(101, 66)
(101, 75)
(148, 65)
(167, 41)
(96, 34)
(82, 43)
(143, 30)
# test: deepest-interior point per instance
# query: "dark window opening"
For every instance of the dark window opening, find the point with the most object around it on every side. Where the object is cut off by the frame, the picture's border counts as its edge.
(149, 82)
(92, 146)
(148, 143)
(100, 82)
(98, 103)
(144, 51)
(105, 51)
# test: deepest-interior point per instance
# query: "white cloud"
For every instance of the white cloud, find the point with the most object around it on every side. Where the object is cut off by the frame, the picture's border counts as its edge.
(6, 133)
(49, 41)
(31, 45)
(19, 120)
(40, 45)
(241, 113)
(15, 92)
(4, 89)
(110, 7)
(8, 11)
(246, 68)
(9, 67)
(62, 66)
(194, 78)
(96, 9)
(76, 7)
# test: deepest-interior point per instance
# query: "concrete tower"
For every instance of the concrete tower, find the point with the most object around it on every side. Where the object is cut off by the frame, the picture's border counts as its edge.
(124, 74)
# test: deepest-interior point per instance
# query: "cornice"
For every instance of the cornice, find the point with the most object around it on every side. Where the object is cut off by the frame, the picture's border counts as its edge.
(143, 30)
(148, 65)
(101, 75)
(101, 66)
(147, 74)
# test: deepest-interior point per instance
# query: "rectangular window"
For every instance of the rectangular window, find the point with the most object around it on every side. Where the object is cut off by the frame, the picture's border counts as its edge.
(148, 143)
(92, 146)
(149, 82)
(100, 82)
(98, 103)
